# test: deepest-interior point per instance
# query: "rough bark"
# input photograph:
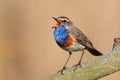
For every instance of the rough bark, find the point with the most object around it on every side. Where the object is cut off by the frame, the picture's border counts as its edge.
(93, 69)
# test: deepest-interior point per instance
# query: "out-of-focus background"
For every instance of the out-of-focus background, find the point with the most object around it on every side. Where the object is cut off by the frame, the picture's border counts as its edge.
(27, 47)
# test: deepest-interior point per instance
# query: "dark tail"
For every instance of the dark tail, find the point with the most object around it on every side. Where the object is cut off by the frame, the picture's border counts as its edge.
(94, 52)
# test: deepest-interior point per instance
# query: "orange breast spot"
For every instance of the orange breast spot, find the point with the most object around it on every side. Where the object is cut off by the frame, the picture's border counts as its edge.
(69, 41)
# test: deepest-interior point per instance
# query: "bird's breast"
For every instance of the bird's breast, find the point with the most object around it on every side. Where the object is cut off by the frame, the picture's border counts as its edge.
(65, 40)
(60, 35)
(72, 45)
(69, 41)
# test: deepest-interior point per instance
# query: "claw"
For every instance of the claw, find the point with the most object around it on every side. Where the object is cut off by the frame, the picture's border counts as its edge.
(61, 71)
(76, 66)
(79, 63)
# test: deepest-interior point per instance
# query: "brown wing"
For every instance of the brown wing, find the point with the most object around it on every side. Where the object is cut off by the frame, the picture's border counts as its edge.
(80, 37)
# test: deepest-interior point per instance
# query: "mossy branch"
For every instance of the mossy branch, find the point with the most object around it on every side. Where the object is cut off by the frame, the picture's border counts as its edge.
(93, 69)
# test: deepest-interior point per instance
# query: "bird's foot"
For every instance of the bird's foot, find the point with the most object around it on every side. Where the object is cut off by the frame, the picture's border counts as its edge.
(61, 71)
(79, 64)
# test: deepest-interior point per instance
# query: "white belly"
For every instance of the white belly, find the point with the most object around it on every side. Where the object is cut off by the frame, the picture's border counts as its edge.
(75, 47)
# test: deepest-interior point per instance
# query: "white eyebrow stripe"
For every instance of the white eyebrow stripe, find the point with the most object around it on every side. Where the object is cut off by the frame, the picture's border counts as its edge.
(63, 19)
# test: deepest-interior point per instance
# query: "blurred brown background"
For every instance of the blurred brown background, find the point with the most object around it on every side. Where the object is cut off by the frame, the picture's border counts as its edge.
(27, 47)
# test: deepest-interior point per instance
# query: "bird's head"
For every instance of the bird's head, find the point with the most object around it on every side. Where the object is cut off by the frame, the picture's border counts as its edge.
(62, 20)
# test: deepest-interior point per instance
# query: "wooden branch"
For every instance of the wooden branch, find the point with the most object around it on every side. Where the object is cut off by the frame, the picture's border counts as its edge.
(93, 69)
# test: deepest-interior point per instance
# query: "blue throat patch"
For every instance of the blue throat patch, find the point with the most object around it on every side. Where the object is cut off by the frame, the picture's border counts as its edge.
(60, 35)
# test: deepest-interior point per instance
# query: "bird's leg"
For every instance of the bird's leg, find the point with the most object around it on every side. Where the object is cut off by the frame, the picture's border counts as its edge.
(79, 63)
(64, 67)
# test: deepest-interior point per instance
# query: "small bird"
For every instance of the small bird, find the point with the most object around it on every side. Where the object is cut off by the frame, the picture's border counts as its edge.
(71, 39)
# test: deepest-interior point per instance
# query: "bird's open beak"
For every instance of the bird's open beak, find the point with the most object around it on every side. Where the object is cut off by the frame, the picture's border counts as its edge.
(55, 18)
(57, 22)
(53, 27)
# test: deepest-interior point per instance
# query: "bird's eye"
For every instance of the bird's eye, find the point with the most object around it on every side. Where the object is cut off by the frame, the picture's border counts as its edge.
(64, 21)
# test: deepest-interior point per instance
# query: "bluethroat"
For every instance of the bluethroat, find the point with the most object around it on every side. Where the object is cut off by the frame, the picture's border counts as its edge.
(71, 39)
